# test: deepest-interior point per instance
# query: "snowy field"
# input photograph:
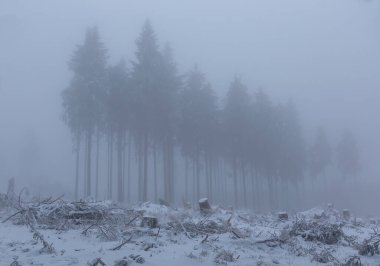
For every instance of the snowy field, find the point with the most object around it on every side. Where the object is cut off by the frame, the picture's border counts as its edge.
(49, 232)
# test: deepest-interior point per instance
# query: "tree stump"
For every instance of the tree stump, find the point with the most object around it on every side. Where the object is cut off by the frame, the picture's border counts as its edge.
(122, 262)
(97, 262)
(148, 221)
(283, 216)
(204, 205)
(11, 187)
(163, 202)
(346, 214)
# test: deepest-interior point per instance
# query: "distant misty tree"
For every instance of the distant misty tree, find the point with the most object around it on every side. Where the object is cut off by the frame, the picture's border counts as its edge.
(236, 123)
(320, 156)
(166, 115)
(293, 151)
(83, 99)
(118, 115)
(198, 126)
(144, 78)
(348, 159)
(155, 84)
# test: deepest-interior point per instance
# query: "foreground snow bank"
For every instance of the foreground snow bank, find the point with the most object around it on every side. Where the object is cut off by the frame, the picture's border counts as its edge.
(55, 232)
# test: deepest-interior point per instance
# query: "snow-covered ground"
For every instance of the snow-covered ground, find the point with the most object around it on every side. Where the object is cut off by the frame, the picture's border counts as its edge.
(181, 237)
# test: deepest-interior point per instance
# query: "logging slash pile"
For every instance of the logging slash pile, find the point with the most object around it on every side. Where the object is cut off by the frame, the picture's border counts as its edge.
(53, 231)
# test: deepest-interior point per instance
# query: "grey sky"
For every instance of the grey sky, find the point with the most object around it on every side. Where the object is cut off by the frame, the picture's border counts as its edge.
(323, 54)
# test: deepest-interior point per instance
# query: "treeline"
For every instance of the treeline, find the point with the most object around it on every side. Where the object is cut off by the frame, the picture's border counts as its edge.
(148, 132)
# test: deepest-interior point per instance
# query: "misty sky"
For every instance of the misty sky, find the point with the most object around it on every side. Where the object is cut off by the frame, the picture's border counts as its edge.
(323, 54)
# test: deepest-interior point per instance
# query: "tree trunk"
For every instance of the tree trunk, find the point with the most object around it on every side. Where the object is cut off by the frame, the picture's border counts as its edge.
(165, 169)
(77, 167)
(89, 146)
(194, 179)
(124, 163)
(207, 176)
(155, 172)
(198, 177)
(244, 185)
(140, 167)
(234, 170)
(171, 172)
(129, 166)
(97, 165)
(120, 192)
(186, 179)
(85, 166)
(145, 182)
(110, 165)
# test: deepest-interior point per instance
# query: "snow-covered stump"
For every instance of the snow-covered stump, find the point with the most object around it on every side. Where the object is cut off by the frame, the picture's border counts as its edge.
(346, 214)
(283, 216)
(122, 262)
(163, 202)
(11, 186)
(96, 262)
(204, 205)
(187, 205)
(149, 221)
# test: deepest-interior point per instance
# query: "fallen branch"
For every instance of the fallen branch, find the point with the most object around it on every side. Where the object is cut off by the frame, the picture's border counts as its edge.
(122, 244)
(132, 220)
(184, 229)
(236, 234)
(12, 216)
(204, 239)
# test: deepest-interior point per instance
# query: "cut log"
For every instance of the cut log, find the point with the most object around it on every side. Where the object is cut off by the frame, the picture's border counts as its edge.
(148, 221)
(283, 216)
(204, 205)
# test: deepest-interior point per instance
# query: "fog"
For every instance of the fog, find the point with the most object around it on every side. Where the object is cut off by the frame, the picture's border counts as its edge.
(322, 55)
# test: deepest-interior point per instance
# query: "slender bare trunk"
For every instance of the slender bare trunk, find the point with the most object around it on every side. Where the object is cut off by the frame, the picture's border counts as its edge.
(244, 185)
(145, 181)
(129, 166)
(140, 168)
(234, 170)
(198, 177)
(77, 150)
(186, 179)
(97, 165)
(155, 172)
(89, 146)
(120, 192)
